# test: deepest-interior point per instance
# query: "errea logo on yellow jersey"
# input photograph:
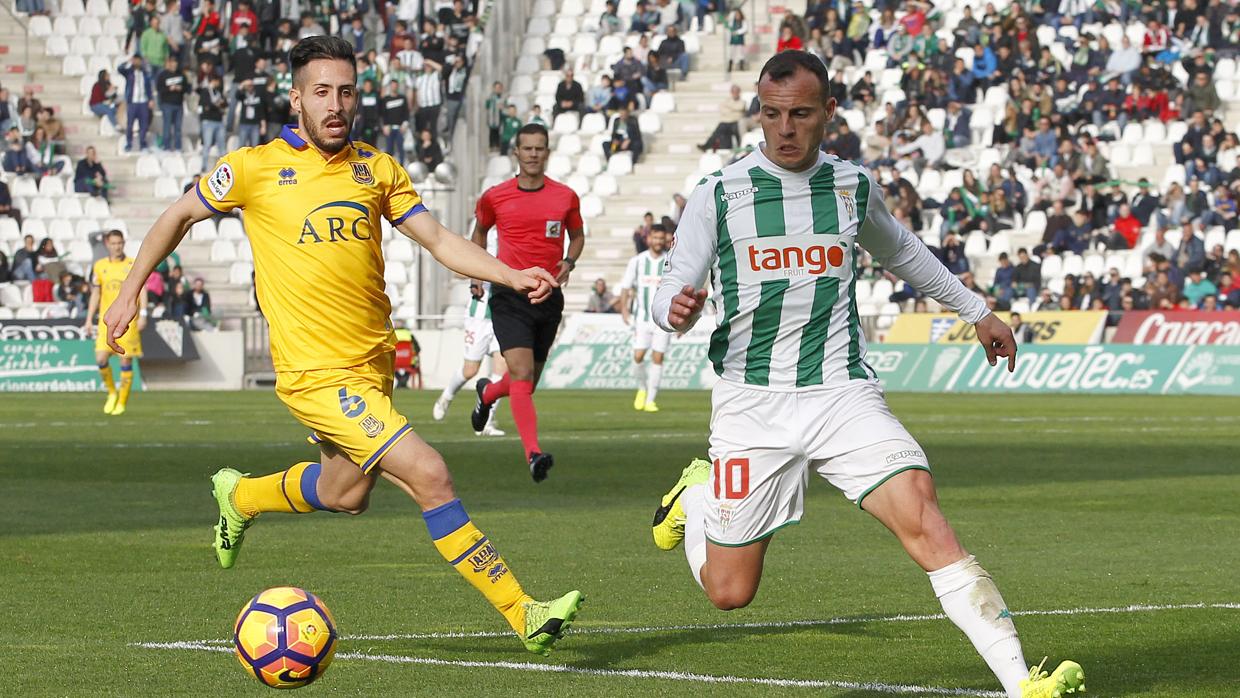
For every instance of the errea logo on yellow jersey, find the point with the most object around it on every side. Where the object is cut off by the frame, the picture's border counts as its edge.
(338, 221)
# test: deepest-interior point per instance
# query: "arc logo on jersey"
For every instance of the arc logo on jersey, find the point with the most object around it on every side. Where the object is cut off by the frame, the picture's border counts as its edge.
(793, 256)
(362, 173)
(338, 221)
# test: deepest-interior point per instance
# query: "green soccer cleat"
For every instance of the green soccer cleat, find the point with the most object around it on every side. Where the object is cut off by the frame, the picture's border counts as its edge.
(650, 407)
(111, 403)
(639, 400)
(669, 518)
(1067, 679)
(547, 621)
(230, 530)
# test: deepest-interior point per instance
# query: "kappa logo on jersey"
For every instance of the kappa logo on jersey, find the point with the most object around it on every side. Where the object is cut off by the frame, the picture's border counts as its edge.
(288, 176)
(739, 194)
(553, 229)
(221, 181)
(362, 173)
(796, 260)
(338, 221)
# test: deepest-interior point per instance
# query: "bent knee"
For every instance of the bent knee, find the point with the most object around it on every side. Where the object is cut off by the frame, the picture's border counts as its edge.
(352, 503)
(732, 597)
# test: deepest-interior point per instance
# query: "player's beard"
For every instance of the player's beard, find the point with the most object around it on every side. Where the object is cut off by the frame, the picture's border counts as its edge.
(318, 135)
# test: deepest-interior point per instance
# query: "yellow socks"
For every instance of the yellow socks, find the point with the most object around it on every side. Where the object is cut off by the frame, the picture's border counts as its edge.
(475, 558)
(126, 384)
(293, 491)
(105, 372)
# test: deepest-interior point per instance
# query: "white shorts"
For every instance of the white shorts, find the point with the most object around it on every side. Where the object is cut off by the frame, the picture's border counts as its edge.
(764, 443)
(479, 339)
(647, 335)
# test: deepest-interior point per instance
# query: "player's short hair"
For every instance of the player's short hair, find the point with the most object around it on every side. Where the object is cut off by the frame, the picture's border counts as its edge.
(658, 228)
(315, 48)
(113, 233)
(537, 129)
(785, 64)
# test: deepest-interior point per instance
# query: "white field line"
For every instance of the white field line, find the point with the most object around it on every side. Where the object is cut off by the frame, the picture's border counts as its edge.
(896, 689)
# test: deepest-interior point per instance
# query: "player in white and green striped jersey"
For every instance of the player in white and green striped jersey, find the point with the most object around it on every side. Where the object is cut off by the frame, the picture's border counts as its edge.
(639, 284)
(777, 233)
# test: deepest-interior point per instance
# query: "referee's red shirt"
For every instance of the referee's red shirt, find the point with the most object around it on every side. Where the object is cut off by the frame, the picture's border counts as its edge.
(533, 225)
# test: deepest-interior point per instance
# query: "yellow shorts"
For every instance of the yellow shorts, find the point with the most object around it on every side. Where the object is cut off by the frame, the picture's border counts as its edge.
(351, 408)
(131, 341)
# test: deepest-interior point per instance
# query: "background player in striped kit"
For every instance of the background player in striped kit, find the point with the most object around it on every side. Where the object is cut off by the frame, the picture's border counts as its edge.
(479, 342)
(777, 231)
(641, 280)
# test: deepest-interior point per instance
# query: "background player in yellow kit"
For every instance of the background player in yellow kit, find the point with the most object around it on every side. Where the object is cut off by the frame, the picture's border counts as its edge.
(107, 275)
(312, 200)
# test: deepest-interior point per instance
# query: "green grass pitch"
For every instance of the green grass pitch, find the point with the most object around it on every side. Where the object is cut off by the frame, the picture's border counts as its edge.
(1077, 504)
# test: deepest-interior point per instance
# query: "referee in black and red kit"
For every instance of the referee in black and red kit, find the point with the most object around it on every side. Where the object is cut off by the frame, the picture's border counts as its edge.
(532, 215)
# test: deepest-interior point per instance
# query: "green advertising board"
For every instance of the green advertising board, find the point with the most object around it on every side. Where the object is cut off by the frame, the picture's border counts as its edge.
(596, 351)
(52, 365)
(1095, 369)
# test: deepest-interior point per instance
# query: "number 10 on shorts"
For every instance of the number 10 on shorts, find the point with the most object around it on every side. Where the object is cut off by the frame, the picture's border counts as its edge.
(731, 478)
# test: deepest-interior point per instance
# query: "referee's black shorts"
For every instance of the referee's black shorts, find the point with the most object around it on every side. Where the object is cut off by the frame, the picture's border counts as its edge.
(520, 324)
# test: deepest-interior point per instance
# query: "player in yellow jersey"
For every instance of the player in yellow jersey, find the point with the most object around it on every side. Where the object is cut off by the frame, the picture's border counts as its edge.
(312, 201)
(107, 275)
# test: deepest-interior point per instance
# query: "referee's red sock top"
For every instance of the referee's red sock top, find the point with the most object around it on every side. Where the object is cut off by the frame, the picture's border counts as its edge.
(496, 390)
(521, 400)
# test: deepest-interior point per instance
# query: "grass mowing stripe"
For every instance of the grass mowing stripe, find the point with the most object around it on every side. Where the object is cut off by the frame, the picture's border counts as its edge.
(895, 689)
(640, 630)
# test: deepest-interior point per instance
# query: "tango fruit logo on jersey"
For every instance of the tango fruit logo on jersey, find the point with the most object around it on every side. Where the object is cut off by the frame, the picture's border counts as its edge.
(789, 257)
(338, 221)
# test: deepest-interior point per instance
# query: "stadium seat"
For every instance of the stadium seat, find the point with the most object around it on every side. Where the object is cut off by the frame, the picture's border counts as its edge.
(42, 207)
(89, 26)
(57, 45)
(230, 229)
(395, 273)
(605, 185)
(569, 144)
(114, 26)
(40, 26)
(663, 102)
(1052, 267)
(69, 207)
(538, 26)
(64, 26)
(173, 165)
(620, 164)
(239, 273)
(881, 290)
(572, 8)
(559, 166)
(60, 230)
(24, 185)
(6, 313)
(1142, 155)
(564, 26)
(649, 122)
(499, 166)
(82, 46)
(975, 248)
(400, 250)
(10, 231)
(590, 164)
(26, 313)
(409, 296)
(862, 292)
(1133, 133)
(244, 252)
(533, 46)
(147, 166)
(565, 123)
(115, 224)
(709, 162)
(592, 124)
(1155, 132)
(80, 251)
(167, 188)
(1226, 90)
(544, 8)
(203, 230)
(51, 185)
(1094, 264)
(1020, 305)
(1215, 236)
(1035, 223)
(579, 183)
(83, 227)
(34, 227)
(223, 251)
(73, 66)
(591, 206)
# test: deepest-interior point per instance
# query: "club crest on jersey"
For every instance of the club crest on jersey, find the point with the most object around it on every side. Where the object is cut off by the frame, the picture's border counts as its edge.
(372, 425)
(553, 229)
(850, 203)
(288, 176)
(361, 173)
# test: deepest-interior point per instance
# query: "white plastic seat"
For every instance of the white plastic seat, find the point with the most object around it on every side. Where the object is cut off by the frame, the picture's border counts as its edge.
(72, 8)
(82, 46)
(51, 185)
(605, 185)
(73, 65)
(649, 122)
(564, 26)
(147, 166)
(97, 8)
(35, 228)
(499, 166)
(585, 45)
(24, 185)
(569, 144)
(167, 188)
(97, 207)
(533, 46)
(89, 26)
(42, 207)
(579, 183)
(244, 252)
(709, 162)
(662, 102)
(591, 206)
(223, 251)
(173, 166)
(1142, 155)
(57, 45)
(230, 229)
(592, 124)
(620, 164)
(80, 251)
(544, 8)
(69, 207)
(64, 26)
(881, 290)
(1094, 264)
(203, 230)
(1133, 133)
(566, 122)
(401, 250)
(538, 26)
(590, 164)
(239, 273)
(116, 224)
(395, 273)
(559, 166)
(83, 227)
(61, 230)
(1155, 132)
(10, 231)
(572, 8)
(108, 46)
(1052, 267)
(114, 26)
(40, 26)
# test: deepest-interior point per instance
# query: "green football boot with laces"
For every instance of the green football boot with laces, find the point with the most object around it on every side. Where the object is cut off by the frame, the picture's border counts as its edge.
(230, 529)
(669, 518)
(1067, 679)
(547, 621)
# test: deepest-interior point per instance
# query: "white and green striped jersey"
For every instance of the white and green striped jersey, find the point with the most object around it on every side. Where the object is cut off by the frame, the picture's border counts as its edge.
(480, 308)
(780, 249)
(643, 275)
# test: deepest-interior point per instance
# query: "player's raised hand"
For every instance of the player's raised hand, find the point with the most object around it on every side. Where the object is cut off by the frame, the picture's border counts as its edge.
(117, 320)
(996, 338)
(685, 308)
(535, 283)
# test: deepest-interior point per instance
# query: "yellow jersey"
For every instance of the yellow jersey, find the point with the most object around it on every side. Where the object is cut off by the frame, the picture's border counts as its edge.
(109, 276)
(314, 228)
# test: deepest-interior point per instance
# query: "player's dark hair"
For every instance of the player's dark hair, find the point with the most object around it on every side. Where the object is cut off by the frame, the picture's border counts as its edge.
(658, 228)
(111, 234)
(315, 48)
(533, 129)
(785, 64)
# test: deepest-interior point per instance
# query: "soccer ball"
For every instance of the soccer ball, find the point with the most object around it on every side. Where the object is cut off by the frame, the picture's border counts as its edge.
(285, 637)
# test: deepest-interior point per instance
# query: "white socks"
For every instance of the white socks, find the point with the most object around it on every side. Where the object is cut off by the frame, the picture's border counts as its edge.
(693, 501)
(652, 386)
(639, 373)
(454, 385)
(972, 601)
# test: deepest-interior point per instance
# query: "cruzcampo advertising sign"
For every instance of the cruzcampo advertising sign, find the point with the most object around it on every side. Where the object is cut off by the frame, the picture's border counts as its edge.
(595, 350)
(52, 365)
(1048, 327)
(1093, 369)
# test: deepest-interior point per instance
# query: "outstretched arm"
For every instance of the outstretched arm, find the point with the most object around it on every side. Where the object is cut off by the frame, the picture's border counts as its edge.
(468, 259)
(679, 301)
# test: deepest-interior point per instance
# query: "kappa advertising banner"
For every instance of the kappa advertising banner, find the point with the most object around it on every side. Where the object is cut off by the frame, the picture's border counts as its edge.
(1049, 327)
(51, 365)
(595, 350)
(1179, 327)
(162, 340)
(1093, 369)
